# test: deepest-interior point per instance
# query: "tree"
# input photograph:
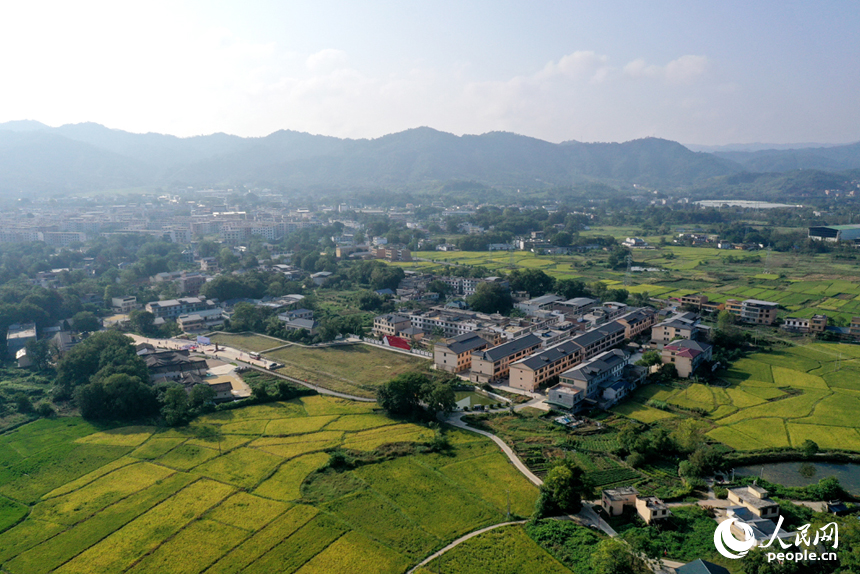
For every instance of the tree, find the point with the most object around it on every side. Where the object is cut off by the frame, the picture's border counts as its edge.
(40, 353)
(725, 320)
(649, 358)
(142, 322)
(563, 239)
(86, 322)
(175, 407)
(535, 281)
(809, 448)
(402, 394)
(565, 484)
(201, 396)
(490, 298)
(612, 556)
(100, 355)
(439, 397)
(571, 288)
(116, 397)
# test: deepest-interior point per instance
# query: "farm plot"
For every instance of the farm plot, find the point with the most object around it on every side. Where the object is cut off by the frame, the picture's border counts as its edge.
(498, 551)
(142, 513)
(355, 369)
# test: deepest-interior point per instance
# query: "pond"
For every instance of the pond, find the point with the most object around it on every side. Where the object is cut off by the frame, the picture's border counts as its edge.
(470, 399)
(788, 473)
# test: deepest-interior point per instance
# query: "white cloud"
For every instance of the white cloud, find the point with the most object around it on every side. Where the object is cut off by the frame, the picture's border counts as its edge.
(326, 60)
(680, 71)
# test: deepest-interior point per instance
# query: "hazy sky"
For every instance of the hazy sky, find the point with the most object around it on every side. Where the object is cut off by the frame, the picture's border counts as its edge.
(692, 71)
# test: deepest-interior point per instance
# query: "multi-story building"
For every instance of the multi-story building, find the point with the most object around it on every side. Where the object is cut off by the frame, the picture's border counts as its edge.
(679, 326)
(754, 499)
(542, 303)
(205, 320)
(63, 238)
(753, 310)
(694, 300)
(591, 375)
(650, 508)
(18, 335)
(493, 364)
(854, 327)
(814, 324)
(575, 307)
(532, 372)
(390, 325)
(124, 305)
(454, 355)
(637, 322)
(393, 253)
(686, 355)
(173, 308)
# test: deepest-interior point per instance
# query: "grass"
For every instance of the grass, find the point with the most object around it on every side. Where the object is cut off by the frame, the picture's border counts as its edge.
(143, 497)
(499, 551)
(247, 341)
(355, 369)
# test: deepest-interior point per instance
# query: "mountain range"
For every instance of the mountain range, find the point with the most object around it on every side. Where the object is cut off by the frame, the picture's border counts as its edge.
(74, 158)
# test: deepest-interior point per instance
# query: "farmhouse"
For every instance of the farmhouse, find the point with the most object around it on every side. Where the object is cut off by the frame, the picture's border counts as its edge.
(814, 324)
(493, 364)
(679, 326)
(686, 355)
(650, 508)
(753, 310)
(173, 365)
(454, 355)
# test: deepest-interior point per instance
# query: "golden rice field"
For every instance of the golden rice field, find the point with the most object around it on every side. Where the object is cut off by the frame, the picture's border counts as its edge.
(245, 490)
(776, 399)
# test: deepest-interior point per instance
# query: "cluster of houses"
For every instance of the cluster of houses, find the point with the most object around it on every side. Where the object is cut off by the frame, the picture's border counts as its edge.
(569, 348)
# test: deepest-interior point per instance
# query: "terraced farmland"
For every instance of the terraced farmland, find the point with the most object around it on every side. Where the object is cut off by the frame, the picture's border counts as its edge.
(256, 498)
(776, 399)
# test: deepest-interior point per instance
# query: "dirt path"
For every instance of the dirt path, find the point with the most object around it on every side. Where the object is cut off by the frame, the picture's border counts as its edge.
(460, 541)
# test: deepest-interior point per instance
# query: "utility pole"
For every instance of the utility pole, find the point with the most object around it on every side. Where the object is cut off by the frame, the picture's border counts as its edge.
(509, 504)
(627, 275)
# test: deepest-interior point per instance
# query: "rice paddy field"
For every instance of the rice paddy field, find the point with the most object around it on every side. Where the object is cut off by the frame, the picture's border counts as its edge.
(776, 399)
(803, 284)
(246, 490)
(500, 551)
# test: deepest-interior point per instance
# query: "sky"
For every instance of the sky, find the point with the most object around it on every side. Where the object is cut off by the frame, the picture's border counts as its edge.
(691, 71)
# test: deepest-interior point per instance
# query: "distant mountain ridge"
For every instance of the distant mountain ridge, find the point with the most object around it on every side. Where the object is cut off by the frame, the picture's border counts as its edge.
(80, 157)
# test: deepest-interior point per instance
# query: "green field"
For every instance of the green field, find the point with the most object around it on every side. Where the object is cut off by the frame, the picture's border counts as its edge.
(776, 399)
(252, 496)
(355, 369)
(500, 551)
(804, 284)
(247, 341)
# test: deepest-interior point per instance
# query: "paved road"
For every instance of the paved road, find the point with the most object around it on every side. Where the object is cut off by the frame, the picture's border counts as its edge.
(460, 541)
(455, 419)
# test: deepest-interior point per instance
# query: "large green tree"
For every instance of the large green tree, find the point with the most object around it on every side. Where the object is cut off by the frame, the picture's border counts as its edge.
(491, 298)
(98, 357)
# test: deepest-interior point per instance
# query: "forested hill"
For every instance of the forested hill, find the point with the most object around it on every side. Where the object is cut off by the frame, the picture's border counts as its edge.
(84, 157)
(34, 157)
